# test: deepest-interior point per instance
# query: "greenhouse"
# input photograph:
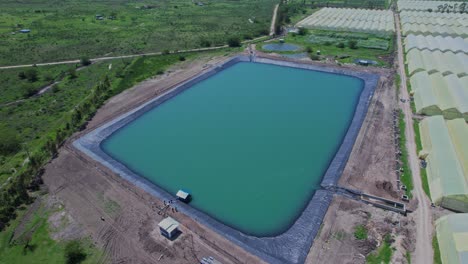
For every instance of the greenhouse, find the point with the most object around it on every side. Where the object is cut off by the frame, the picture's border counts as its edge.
(436, 94)
(432, 43)
(445, 31)
(423, 5)
(452, 234)
(444, 149)
(458, 22)
(437, 61)
(355, 20)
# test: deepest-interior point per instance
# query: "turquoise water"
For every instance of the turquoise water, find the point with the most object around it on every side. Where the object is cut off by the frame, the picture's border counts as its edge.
(251, 143)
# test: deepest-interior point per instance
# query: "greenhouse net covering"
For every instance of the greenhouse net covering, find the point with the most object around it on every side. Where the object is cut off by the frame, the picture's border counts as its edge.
(426, 5)
(355, 20)
(437, 61)
(452, 234)
(421, 42)
(445, 150)
(436, 94)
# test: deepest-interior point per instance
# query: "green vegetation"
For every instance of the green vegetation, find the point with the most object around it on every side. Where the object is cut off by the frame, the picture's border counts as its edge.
(70, 29)
(408, 257)
(406, 177)
(41, 124)
(34, 244)
(398, 82)
(435, 246)
(360, 232)
(372, 4)
(21, 83)
(346, 47)
(74, 252)
(424, 179)
(383, 254)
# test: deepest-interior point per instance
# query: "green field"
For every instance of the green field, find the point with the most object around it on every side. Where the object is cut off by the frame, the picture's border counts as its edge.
(378, 48)
(68, 29)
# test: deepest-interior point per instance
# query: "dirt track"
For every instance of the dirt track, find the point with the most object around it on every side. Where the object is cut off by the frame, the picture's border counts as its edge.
(424, 252)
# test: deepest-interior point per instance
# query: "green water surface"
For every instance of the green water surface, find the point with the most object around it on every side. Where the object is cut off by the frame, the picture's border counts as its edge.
(251, 143)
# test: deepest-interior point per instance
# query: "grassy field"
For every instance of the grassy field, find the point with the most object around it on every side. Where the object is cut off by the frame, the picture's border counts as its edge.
(41, 248)
(435, 246)
(368, 46)
(372, 4)
(383, 254)
(69, 29)
(424, 179)
(406, 177)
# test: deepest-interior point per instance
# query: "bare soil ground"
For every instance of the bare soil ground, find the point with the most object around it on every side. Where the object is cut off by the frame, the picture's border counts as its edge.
(121, 218)
(336, 242)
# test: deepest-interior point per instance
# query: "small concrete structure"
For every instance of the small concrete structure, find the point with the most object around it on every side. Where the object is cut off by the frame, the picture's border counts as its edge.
(183, 196)
(169, 227)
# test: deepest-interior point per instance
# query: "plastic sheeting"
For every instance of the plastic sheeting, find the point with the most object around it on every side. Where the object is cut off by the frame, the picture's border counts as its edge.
(436, 94)
(436, 61)
(421, 42)
(427, 29)
(452, 234)
(423, 5)
(442, 142)
(355, 20)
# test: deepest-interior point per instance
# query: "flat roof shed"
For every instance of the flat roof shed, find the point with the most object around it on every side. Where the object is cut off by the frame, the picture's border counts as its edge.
(168, 227)
(183, 195)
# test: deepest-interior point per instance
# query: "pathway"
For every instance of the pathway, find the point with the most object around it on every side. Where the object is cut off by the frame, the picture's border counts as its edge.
(273, 21)
(424, 252)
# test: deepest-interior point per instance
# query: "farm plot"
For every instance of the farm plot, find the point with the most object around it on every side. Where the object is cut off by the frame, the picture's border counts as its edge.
(354, 20)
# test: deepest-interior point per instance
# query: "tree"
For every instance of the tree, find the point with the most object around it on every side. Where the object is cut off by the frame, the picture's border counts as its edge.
(303, 31)
(74, 253)
(352, 44)
(205, 43)
(31, 75)
(340, 45)
(234, 42)
(85, 61)
(72, 73)
(9, 142)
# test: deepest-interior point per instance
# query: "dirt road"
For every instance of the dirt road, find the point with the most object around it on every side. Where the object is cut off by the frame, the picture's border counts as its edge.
(423, 253)
(273, 21)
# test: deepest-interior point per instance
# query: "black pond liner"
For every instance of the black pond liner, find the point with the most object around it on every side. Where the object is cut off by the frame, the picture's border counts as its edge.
(291, 246)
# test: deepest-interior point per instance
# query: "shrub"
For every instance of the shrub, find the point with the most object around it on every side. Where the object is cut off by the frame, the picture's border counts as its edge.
(340, 45)
(205, 43)
(314, 57)
(85, 61)
(166, 52)
(352, 44)
(181, 58)
(31, 74)
(234, 42)
(309, 49)
(72, 73)
(303, 31)
(360, 232)
(9, 142)
(74, 253)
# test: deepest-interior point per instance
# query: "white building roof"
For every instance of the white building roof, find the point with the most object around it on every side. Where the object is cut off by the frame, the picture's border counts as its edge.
(169, 224)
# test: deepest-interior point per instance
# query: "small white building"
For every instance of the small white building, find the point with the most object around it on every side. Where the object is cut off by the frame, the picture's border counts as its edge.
(169, 227)
(183, 196)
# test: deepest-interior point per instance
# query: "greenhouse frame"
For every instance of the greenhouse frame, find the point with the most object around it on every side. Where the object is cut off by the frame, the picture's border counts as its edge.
(432, 43)
(437, 61)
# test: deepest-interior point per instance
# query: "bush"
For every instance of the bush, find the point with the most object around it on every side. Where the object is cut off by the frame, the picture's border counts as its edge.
(9, 142)
(352, 44)
(303, 31)
(72, 73)
(74, 253)
(166, 52)
(181, 58)
(205, 43)
(31, 75)
(360, 232)
(340, 45)
(85, 61)
(309, 49)
(234, 42)
(314, 57)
